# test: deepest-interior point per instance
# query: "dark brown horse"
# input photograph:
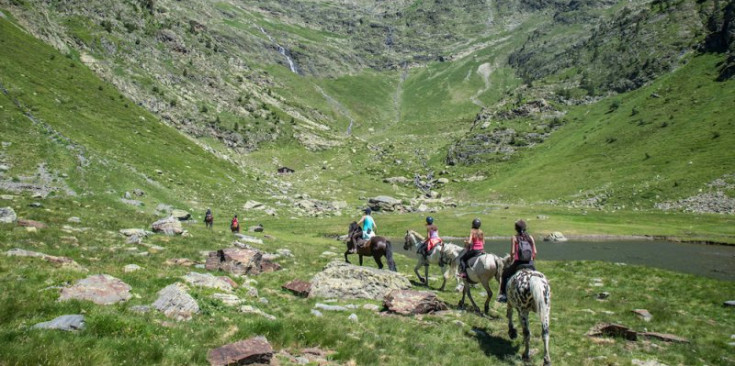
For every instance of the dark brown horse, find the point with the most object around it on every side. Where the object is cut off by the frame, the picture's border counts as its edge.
(376, 247)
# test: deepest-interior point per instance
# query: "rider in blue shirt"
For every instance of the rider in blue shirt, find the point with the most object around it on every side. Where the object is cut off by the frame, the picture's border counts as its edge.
(368, 224)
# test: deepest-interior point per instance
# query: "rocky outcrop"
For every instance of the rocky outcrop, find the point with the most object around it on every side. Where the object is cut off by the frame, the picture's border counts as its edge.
(341, 280)
(64, 262)
(413, 302)
(240, 261)
(168, 226)
(384, 203)
(64, 322)
(208, 280)
(180, 215)
(175, 302)
(298, 288)
(7, 215)
(556, 236)
(101, 289)
(250, 351)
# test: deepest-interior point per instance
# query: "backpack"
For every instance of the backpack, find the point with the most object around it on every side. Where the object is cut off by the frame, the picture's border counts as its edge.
(525, 248)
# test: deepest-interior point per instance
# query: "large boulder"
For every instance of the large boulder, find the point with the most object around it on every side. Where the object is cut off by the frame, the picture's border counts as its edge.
(384, 203)
(101, 289)
(255, 350)
(175, 302)
(64, 322)
(7, 215)
(555, 237)
(298, 288)
(209, 280)
(181, 215)
(346, 281)
(168, 226)
(413, 302)
(240, 261)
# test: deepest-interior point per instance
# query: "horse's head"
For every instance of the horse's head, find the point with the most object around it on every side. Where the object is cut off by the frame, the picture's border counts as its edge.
(408, 240)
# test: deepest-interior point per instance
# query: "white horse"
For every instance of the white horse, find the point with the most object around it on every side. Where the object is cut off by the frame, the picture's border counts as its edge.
(528, 291)
(442, 254)
(481, 269)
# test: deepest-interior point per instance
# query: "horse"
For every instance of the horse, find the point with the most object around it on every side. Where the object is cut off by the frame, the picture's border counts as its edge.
(376, 247)
(528, 290)
(442, 254)
(481, 269)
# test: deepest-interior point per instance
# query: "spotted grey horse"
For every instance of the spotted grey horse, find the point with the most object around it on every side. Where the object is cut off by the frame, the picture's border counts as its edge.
(528, 291)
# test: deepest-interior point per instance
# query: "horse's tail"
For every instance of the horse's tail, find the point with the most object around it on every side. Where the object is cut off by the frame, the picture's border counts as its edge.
(542, 300)
(389, 256)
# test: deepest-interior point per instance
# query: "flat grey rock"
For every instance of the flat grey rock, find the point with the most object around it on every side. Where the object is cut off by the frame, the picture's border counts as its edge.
(64, 322)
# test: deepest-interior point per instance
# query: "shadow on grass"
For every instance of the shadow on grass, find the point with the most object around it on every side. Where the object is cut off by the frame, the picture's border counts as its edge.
(493, 345)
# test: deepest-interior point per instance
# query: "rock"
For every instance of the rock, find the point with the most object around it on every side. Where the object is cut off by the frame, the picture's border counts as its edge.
(330, 307)
(317, 313)
(140, 308)
(36, 205)
(384, 203)
(4, 168)
(7, 215)
(74, 220)
(542, 217)
(255, 350)
(284, 253)
(442, 181)
(256, 229)
(346, 281)
(163, 208)
(134, 232)
(240, 261)
(228, 299)
(210, 281)
(434, 194)
(7, 197)
(63, 262)
(398, 180)
(249, 239)
(31, 223)
(64, 322)
(664, 337)
(135, 203)
(643, 314)
(101, 289)
(328, 254)
(603, 295)
(168, 226)
(180, 215)
(555, 237)
(637, 362)
(413, 302)
(612, 330)
(131, 268)
(247, 309)
(353, 318)
(371, 307)
(185, 262)
(298, 288)
(249, 205)
(729, 303)
(175, 302)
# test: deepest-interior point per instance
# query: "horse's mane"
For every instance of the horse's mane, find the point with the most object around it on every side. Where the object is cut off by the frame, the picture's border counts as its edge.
(419, 236)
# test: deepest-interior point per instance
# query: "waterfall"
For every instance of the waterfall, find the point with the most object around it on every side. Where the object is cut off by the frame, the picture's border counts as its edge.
(283, 51)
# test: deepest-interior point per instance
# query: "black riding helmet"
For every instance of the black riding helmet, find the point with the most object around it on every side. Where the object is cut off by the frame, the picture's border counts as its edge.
(476, 223)
(429, 220)
(368, 210)
(521, 226)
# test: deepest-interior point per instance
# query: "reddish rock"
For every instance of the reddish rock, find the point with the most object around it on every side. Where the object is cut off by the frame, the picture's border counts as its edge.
(250, 351)
(298, 287)
(31, 223)
(240, 261)
(413, 302)
(613, 330)
(100, 289)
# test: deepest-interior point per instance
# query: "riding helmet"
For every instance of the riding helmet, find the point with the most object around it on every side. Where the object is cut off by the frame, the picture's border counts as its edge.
(368, 210)
(429, 220)
(476, 223)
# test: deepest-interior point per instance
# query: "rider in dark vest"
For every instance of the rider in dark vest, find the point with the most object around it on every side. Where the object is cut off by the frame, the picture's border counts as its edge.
(518, 263)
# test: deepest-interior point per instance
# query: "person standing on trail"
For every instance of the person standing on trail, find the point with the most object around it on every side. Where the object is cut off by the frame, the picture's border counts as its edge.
(474, 245)
(523, 252)
(235, 225)
(368, 224)
(208, 219)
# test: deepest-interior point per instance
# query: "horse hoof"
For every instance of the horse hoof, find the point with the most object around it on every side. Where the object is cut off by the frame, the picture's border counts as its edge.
(513, 334)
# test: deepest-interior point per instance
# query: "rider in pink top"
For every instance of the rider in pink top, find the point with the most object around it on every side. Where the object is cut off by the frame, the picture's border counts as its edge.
(475, 245)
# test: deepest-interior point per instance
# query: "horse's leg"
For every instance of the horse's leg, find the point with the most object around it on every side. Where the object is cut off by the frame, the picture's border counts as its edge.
(468, 288)
(416, 270)
(378, 261)
(486, 285)
(360, 255)
(347, 252)
(546, 310)
(444, 270)
(461, 302)
(512, 333)
(526, 335)
(426, 273)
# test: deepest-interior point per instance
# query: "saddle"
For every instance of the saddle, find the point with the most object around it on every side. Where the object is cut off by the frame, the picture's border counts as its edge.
(471, 262)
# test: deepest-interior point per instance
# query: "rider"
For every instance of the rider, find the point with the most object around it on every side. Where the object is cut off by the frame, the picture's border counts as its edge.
(521, 235)
(474, 245)
(235, 225)
(208, 218)
(368, 224)
(432, 237)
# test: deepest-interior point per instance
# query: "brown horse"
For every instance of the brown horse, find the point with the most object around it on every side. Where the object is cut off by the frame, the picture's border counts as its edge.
(376, 247)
